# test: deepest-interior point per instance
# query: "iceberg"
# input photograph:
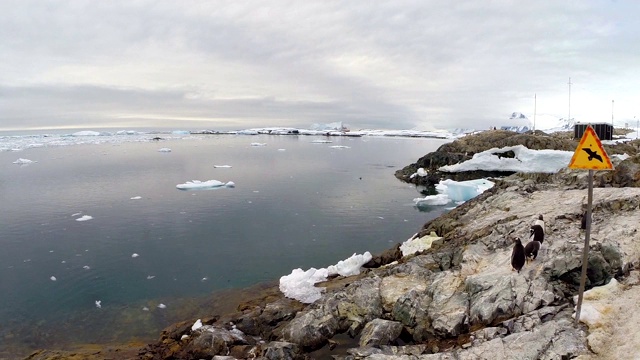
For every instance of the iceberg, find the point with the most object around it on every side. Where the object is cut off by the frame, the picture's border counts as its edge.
(203, 185)
(458, 191)
(350, 266)
(300, 285)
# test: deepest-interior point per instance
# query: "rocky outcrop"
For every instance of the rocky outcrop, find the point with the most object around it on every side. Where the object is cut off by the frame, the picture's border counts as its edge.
(464, 148)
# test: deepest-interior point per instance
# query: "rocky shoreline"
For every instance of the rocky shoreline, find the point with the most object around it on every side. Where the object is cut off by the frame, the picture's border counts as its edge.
(459, 299)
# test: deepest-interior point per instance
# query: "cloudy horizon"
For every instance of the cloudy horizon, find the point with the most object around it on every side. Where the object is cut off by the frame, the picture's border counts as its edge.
(240, 64)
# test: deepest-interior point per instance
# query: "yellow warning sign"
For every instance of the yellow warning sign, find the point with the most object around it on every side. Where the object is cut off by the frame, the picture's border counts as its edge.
(590, 154)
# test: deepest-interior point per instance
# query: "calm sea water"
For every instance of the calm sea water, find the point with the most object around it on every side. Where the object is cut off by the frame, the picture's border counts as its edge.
(296, 204)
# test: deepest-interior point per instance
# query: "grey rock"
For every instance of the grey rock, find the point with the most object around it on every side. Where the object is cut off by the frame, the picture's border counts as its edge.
(281, 350)
(311, 329)
(380, 332)
(448, 309)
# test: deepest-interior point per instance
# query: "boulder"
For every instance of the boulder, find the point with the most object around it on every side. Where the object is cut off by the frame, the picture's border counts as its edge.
(380, 332)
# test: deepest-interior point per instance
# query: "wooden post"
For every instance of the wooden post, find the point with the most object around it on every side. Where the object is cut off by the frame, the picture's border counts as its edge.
(585, 251)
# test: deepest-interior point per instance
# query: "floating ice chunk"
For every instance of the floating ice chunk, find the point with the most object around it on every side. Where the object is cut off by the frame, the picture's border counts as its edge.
(149, 277)
(86, 267)
(197, 325)
(258, 144)
(247, 132)
(136, 198)
(22, 161)
(222, 166)
(99, 304)
(463, 190)
(282, 149)
(350, 266)
(321, 141)
(181, 132)
(84, 218)
(340, 147)
(412, 246)
(162, 306)
(204, 279)
(144, 308)
(86, 133)
(53, 278)
(165, 150)
(299, 284)
(433, 200)
(209, 184)
(76, 214)
(134, 255)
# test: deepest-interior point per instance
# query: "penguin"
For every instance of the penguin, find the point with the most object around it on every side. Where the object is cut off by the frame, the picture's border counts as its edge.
(517, 255)
(537, 232)
(540, 221)
(531, 250)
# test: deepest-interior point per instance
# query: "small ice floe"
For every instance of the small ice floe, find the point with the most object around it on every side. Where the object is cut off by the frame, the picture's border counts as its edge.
(99, 304)
(162, 306)
(144, 308)
(22, 161)
(149, 277)
(53, 278)
(197, 325)
(136, 198)
(380, 217)
(134, 255)
(164, 150)
(84, 218)
(26, 260)
(204, 279)
(282, 149)
(258, 144)
(63, 261)
(86, 267)
(433, 200)
(76, 214)
(222, 166)
(321, 141)
(340, 147)
(204, 185)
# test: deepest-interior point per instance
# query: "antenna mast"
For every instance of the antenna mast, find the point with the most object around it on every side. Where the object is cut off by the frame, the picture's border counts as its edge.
(569, 119)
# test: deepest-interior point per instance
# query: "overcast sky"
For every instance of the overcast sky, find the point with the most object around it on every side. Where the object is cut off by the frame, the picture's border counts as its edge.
(396, 64)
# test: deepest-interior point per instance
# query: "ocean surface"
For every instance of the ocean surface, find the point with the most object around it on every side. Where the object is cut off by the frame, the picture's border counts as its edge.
(151, 254)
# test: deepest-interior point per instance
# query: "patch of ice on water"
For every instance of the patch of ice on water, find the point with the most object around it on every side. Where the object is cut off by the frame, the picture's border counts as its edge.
(222, 166)
(321, 141)
(202, 185)
(99, 304)
(340, 147)
(53, 278)
(162, 306)
(22, 161)
(134, 255)
(165, 150)
(258, 144)
(84, 218)
(136, 198)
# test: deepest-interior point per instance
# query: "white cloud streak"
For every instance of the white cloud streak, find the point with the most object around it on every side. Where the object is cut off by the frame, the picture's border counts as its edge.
(385, 64)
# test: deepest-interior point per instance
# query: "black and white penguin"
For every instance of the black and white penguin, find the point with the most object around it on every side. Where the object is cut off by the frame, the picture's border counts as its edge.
(540, 221)
(537, 233)
(531, 250)
(517, 255)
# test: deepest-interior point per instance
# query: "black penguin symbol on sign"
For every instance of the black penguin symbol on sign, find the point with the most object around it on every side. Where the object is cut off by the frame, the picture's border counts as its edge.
(592, 154)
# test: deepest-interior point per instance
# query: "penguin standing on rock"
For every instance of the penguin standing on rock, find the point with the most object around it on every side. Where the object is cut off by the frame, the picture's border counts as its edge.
(517, 255)
(540, 221)
(537, 232)
(531, 250)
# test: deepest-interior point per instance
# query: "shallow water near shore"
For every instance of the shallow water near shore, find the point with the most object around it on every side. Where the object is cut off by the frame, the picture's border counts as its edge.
(296, 204)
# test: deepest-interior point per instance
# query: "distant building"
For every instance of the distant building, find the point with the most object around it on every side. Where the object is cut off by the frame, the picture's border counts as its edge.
(603, 130)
